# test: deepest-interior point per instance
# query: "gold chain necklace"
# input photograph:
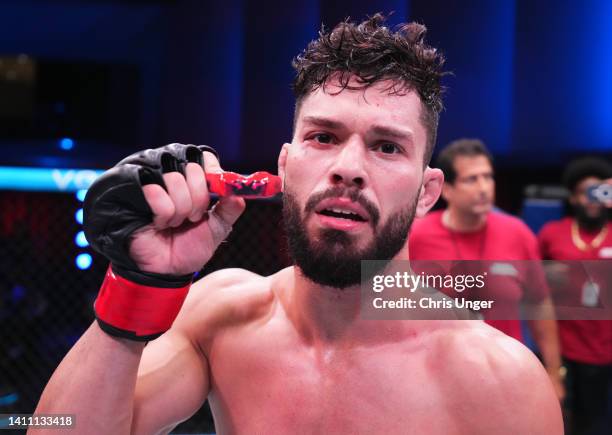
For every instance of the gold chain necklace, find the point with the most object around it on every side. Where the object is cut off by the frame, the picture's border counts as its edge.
(594, 244)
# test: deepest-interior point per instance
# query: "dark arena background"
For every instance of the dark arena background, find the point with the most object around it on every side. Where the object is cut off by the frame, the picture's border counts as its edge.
(85, 83)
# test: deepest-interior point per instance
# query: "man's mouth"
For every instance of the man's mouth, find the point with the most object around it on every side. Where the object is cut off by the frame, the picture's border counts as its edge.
(342, 208)
(341, 214)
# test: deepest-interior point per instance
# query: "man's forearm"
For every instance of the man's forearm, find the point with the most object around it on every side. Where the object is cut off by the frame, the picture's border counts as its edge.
(546, 338)
(544, 331)
(96, 382)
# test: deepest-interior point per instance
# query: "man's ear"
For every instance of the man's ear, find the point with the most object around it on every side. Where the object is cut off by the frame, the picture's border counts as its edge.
(282, 163)
(433, 179)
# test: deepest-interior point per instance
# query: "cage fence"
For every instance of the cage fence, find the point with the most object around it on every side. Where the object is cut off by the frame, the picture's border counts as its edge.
(49, 278)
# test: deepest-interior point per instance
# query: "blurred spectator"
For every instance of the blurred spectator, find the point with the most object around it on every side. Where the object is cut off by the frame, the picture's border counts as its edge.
(586, 345)
(469, 229)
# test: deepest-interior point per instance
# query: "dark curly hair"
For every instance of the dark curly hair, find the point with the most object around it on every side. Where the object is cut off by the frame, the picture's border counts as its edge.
(372, 52)
(585, 167)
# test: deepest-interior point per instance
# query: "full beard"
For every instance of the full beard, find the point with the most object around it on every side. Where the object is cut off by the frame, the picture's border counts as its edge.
(333, 260)
(591, 223)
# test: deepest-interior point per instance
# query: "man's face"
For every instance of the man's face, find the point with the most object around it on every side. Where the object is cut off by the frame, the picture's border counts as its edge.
(590, 213)
(352, 174)
(473, 191)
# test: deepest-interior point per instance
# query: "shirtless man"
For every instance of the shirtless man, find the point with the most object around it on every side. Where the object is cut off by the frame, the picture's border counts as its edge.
(289, 353)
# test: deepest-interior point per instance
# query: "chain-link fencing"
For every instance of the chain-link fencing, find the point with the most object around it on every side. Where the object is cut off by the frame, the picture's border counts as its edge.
(47, 290)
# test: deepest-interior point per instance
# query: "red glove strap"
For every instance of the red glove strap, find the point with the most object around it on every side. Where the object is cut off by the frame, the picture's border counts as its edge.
(139, 308)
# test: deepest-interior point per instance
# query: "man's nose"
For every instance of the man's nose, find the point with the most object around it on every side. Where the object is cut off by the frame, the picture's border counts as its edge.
(349, 167)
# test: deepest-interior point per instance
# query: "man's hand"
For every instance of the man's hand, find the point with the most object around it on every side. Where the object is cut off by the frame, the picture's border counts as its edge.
(557, 380)
(149, 215)
(184, 233)
(150, 212)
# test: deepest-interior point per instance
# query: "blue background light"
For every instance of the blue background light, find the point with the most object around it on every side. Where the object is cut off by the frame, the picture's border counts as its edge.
(47, 179)
(83, 261)
(81, 194)
(81, 240)
(66, 143)
(79, 216)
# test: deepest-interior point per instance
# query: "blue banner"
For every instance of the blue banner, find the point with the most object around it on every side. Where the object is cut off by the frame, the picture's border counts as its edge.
(46, 179)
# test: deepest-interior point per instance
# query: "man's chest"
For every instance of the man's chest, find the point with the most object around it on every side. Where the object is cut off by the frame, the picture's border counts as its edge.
(563, 242)
(281, 386)
(563, 248)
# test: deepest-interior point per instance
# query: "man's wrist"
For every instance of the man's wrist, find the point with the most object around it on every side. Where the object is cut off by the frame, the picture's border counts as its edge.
(137, 311)
(131, 346)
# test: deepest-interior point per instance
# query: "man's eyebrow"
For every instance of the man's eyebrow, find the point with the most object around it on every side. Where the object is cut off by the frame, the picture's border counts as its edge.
(380, 130)
(392, 132)
(323, 122)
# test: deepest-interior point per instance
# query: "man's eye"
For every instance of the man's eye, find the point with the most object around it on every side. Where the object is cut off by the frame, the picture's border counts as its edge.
(323, 138)
(389, 148)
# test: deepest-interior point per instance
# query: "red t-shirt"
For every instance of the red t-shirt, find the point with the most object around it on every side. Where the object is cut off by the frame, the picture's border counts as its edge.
(586, 341)
(503, 238)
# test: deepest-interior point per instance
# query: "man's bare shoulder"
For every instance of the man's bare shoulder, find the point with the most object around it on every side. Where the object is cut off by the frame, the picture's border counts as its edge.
(475, 342)
(480, 366)
(223, 279)
(227, 297)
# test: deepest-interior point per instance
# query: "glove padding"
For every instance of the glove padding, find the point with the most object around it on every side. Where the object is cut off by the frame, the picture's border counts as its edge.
(115, 207)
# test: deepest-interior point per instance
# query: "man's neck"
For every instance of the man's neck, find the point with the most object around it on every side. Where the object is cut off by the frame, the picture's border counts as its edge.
(322, 313)
(455, 220)
(328, 315)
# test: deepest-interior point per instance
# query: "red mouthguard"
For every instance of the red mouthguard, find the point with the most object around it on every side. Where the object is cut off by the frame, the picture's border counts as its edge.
(259, 184)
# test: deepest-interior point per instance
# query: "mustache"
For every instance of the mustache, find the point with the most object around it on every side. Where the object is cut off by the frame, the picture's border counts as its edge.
(338, 192)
